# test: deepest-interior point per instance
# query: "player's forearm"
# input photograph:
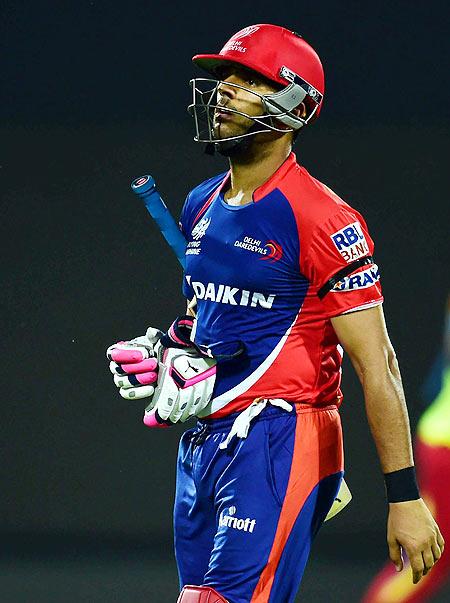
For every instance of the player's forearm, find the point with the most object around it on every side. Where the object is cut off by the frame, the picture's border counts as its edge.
(387, 413)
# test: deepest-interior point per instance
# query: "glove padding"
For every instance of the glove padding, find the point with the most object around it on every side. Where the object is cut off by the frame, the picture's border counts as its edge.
(134, 365)
(185, 385)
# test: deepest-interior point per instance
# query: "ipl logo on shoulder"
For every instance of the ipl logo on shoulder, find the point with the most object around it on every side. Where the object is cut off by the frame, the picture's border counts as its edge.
(199, 231)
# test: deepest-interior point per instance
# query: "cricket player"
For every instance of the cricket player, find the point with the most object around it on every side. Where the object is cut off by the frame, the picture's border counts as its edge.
(280, 278)
(432, 448)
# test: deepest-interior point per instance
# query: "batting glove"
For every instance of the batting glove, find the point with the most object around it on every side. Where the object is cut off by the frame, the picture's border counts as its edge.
(185, 386)
(134, 365)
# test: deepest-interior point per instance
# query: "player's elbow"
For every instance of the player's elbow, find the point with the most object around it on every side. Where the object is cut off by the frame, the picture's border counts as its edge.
(391, 360)
(376, 362)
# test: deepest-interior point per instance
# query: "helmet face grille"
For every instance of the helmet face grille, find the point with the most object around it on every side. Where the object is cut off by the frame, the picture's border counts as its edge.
(204, 105)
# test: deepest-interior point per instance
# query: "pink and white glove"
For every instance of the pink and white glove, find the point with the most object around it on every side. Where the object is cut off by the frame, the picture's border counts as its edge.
(185, 386)
(134, 365)
(168, 369)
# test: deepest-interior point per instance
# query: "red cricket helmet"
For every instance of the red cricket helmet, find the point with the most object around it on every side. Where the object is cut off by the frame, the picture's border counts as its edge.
(277, 53)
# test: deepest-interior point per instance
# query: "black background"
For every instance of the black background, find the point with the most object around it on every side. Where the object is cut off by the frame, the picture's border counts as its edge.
(94, 94)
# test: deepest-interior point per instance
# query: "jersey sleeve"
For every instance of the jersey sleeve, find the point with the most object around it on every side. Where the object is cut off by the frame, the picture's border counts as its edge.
(340, 265)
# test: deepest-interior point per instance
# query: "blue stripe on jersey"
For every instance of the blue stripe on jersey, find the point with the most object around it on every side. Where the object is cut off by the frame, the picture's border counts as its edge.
(242, 263)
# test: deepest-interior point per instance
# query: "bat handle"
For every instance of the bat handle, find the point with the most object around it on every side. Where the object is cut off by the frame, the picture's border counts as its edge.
(143, 185)
(145, 188)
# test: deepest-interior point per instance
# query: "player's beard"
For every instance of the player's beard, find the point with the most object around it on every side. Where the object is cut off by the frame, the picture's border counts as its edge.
(244, 148)
(235, 148)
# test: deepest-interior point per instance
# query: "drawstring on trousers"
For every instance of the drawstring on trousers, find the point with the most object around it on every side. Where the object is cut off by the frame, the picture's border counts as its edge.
(242, 422)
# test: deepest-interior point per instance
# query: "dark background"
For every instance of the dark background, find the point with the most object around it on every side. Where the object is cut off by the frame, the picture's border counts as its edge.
(94, 94)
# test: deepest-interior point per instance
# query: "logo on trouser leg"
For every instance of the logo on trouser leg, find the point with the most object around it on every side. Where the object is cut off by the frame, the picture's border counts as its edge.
(230, 521)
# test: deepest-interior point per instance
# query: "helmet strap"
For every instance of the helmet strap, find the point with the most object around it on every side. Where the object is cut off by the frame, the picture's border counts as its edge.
(231, 148)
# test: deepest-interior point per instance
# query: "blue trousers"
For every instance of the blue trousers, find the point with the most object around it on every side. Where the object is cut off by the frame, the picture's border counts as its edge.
(245, 517)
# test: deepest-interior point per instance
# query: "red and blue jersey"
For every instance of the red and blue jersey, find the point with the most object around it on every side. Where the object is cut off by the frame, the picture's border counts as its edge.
(269, 275)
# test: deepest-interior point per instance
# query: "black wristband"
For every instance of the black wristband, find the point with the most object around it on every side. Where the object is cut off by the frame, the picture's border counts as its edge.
(401, 485)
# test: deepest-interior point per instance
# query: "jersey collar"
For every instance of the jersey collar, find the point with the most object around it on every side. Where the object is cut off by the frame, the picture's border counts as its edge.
(269, 185)
(272, 183)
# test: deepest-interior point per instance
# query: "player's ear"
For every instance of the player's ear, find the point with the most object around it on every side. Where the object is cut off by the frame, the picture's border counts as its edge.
(300, 110)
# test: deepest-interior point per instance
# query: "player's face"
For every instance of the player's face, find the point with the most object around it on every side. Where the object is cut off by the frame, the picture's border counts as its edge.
(229, 97)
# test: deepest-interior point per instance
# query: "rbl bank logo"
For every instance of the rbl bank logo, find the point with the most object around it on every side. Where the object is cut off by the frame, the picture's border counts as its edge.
(351, 242)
